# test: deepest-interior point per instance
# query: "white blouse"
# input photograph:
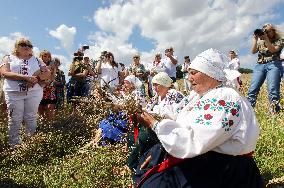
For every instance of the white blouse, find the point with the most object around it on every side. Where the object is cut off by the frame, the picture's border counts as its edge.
(221, 121)
(110, 75)
(165, 107)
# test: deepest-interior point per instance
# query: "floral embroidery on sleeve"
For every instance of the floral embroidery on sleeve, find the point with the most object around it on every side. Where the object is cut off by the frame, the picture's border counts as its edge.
(209, 107)
(173, 97)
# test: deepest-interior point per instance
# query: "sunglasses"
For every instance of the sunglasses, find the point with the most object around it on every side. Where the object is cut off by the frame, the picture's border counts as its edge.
(25, 45)
(135, 57)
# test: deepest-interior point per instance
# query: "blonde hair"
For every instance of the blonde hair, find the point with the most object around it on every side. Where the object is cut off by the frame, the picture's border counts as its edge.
(278, 34)
(44, 52)
(20, 41)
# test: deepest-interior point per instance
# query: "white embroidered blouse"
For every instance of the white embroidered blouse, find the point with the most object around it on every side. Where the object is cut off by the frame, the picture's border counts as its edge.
(166, 106)
(221, 121)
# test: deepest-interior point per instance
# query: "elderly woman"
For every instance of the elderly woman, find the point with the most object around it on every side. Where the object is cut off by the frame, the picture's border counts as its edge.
(113, 128)
(211, 142)
(22, 91)
(166, 97)
(268, 44)
(141, 139)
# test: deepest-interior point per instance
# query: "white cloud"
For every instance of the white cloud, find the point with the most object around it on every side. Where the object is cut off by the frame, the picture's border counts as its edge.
(248, 61)
(7, 43)
(189, 26)
(65, 35)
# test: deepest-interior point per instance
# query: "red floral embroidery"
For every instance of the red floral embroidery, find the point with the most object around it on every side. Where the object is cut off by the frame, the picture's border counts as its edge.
(234, 111)
(208, 116)
(206, 106)
(231, 122)
(222, 102)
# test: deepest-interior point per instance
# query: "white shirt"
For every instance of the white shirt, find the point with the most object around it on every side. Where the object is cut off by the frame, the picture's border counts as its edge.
(156, 67)
(282, 54)
(32, 65)
(166, 106)
(170, 67)
(184, 69)
(110, 75)
(220, 121)
(234, 64)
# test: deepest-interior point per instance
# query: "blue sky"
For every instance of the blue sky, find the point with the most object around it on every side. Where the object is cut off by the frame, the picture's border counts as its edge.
(129, 27)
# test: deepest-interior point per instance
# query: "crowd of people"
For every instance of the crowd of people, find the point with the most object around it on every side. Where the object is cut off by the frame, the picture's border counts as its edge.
(207, 132)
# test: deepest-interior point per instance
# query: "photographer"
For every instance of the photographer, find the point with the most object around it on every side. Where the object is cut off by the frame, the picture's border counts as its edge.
(89, 78)
(78, 72)
(109, 71)
(268, 43)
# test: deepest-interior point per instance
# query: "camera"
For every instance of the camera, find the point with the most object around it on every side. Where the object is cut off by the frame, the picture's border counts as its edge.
(258, 32)
(78, 56)
(85, 47)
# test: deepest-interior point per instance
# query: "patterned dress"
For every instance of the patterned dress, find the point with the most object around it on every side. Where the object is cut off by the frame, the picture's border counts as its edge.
(59, 86)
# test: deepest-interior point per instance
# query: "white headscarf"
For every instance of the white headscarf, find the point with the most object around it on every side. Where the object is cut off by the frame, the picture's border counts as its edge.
(134, 80)
(163, 79)
(213, 63)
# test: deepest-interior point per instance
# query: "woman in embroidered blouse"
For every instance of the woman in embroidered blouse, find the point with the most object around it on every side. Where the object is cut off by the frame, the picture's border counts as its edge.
(22, 91)
(210, 144)
(113, 128)
(145, 138)
(165, 98)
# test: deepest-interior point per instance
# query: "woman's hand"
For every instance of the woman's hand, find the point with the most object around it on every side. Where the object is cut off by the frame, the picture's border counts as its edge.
(32, 80)
(147, 119)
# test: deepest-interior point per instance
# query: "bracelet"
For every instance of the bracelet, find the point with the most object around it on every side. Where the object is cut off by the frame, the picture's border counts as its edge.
(154, 127)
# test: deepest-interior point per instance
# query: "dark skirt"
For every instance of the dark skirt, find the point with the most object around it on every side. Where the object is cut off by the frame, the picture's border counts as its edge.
(209, 170)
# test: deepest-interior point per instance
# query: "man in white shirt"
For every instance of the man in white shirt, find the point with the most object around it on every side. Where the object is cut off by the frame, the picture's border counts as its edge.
(170, 62)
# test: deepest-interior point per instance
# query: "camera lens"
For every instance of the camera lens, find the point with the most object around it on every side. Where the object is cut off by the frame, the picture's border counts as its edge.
(258, 32)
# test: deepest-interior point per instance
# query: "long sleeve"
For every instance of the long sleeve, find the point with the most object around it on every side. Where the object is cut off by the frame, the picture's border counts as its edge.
(214, 123)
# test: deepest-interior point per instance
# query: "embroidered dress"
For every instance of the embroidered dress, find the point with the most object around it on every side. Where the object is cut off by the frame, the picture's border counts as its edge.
(211, 137)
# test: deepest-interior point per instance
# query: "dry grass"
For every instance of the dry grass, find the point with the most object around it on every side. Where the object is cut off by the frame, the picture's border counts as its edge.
(54, 156)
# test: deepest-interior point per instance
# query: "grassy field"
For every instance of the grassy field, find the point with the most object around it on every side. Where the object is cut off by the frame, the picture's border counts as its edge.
(58, 155)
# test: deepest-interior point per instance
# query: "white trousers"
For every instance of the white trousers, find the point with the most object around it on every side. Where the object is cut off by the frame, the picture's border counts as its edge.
(22, 106)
